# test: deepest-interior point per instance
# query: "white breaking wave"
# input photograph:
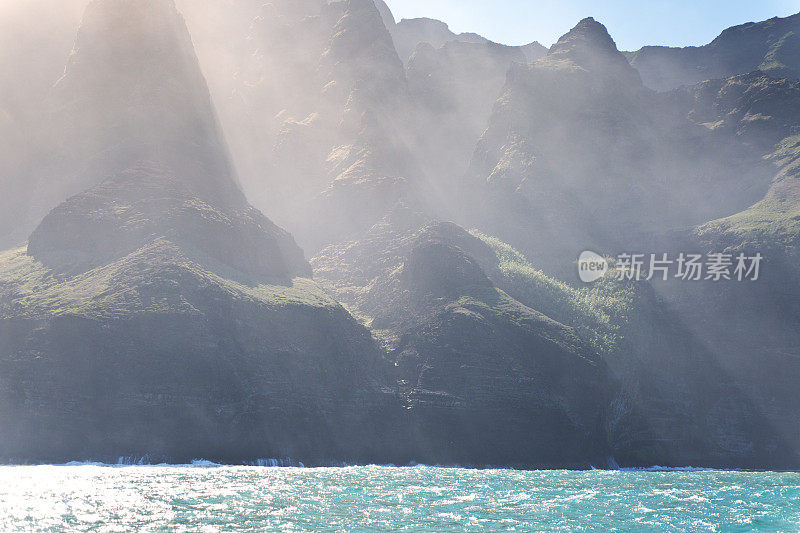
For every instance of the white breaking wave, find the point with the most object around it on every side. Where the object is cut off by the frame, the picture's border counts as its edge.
(657, 468)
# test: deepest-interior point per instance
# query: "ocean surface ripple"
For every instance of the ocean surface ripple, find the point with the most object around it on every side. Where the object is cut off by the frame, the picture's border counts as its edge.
(205, 497)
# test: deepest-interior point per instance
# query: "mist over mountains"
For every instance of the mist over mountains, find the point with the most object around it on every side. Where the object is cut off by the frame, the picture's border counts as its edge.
(301, 229)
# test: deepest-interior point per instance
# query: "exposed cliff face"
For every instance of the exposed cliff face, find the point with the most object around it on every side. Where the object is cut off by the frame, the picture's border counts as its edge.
(361, 57)
(373, 167)
(772, 46)
(579, 155)
(159, 353)
(678, 400)
(154, 311)
(549, 112)
(762, 113)
(457, 317)
(326, 108)
(756, 107)
(751, 328)
(386, 15)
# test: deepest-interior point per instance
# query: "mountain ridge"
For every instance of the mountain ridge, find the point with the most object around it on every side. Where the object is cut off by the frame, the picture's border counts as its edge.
(771, 46)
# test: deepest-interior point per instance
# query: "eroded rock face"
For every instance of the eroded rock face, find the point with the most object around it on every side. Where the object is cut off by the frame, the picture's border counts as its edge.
(337, 116)
(153, 160)
(361, 56)
(386, 14)
(154, 311)
(471, 350)
(751, 327)
(760, 109)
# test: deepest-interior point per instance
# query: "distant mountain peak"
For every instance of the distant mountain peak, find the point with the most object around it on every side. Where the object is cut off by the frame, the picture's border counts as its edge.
(588, 33)
(590, 46)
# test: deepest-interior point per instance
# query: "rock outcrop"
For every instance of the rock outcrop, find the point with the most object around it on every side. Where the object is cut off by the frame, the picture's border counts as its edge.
(146, 202)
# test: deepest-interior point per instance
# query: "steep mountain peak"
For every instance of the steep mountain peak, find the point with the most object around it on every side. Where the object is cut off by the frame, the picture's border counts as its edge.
(590, 46)
(142, 157)
(588, 32)
(361, 51)
(386, 14)
(360, 24)
(122, 40)
(362, 10)
(133, 90)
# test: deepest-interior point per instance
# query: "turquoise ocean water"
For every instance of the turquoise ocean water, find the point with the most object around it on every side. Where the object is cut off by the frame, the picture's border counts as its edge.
(205, 497)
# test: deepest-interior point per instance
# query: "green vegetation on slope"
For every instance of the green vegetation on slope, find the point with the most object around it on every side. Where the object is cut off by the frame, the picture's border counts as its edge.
(597, 312)
(155, 279)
